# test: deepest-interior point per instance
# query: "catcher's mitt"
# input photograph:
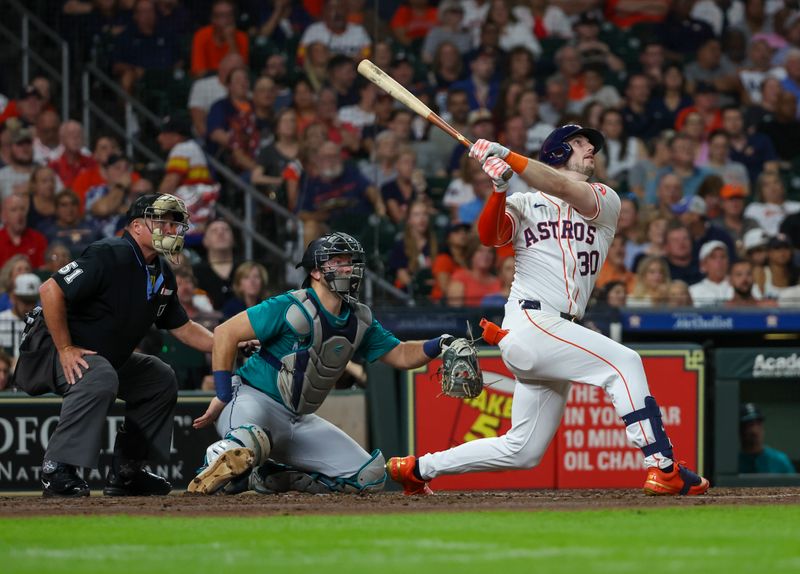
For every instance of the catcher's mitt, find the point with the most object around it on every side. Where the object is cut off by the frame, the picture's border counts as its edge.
(460, 370)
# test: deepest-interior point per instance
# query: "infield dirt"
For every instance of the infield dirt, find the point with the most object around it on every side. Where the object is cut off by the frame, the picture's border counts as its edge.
(182, 504)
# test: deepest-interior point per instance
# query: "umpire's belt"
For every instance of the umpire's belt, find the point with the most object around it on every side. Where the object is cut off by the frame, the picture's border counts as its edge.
(537, 306)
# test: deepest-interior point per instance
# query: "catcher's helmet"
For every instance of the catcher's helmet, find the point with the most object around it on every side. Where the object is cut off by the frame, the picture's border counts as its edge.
(555, 150)
(153, 208)
(319, 251)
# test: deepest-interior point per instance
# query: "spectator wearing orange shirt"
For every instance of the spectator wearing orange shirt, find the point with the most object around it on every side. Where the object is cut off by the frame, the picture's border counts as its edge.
(469, 286)
(627, 13)
(455, 256)
(706, 103)
(614, 267)
(211, 43)
(412, 21)
(570, 69)
(104, 146)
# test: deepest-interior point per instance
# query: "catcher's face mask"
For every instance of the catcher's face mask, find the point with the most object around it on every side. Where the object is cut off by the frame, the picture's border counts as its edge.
(341, 261)
(168, 220)
(343, 274)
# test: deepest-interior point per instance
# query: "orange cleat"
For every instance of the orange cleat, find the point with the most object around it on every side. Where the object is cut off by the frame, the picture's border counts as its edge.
(401, 469)
(681, 481)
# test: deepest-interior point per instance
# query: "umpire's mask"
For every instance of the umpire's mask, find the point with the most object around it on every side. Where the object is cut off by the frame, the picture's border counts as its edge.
(167, 219)
(318, 254)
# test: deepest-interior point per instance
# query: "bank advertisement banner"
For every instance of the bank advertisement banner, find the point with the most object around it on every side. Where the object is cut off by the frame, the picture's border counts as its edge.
(26, 425)
(590, 449)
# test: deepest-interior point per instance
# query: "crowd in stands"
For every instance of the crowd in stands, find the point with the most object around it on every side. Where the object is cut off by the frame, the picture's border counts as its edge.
(698, 100)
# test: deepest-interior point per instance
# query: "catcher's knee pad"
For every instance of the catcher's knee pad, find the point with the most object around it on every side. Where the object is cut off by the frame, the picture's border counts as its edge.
(273, 477)
(650, 412)
(253, 437)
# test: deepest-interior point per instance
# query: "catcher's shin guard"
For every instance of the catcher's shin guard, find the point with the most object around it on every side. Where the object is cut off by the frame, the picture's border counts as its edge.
(401, 469)
(272, 477)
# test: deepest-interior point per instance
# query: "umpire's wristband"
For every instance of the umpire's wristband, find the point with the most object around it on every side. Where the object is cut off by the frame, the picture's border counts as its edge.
(432, 347)
(222, 385)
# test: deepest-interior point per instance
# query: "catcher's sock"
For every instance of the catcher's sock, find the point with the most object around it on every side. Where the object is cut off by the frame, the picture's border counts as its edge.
(416, 473)
(668, 469)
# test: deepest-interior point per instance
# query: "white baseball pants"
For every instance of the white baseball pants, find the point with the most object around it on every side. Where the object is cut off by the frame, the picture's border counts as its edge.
(546, 354)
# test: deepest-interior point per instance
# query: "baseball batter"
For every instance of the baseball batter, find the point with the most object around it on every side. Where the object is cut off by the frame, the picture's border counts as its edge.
(561, 232)
(265, 412)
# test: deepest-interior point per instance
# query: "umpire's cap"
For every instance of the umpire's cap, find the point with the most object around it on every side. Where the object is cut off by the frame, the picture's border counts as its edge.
(555, 150)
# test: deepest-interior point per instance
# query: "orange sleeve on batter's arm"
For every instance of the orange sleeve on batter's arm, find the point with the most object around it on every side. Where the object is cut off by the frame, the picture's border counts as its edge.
(494, 225)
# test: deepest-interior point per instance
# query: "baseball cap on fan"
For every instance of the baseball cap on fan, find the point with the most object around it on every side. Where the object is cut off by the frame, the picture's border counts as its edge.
(26, 287)
(754, 239)
(479, 115)
(693, 204)
(709, 246)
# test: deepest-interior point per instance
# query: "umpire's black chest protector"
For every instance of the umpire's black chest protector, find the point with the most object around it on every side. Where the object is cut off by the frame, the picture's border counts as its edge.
(113, 298)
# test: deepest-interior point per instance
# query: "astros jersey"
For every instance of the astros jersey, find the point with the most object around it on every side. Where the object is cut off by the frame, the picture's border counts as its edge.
(269, 323)
(558, 251)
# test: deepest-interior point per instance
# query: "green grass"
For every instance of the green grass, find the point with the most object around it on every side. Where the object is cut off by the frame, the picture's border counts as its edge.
(692, 540)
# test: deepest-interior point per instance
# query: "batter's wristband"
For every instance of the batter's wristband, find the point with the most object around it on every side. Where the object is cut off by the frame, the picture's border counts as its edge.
(432, 347)
(517, 162)
(222, 385)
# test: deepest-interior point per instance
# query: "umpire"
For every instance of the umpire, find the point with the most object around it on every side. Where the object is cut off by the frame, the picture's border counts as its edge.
(97, 309)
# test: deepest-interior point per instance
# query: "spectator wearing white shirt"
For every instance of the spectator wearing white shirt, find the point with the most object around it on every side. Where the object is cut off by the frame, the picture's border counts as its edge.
(760, 52)
(12, 321)
(715, 288)
(475, 12)
(339, 35)
(513, 32)
(361, 114)
(47, 144)
(546, 20)
(206, 91)
(719, 15)
(773, 206)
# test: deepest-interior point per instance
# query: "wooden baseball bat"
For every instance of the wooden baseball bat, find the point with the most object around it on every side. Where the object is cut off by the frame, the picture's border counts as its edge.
(389, 85)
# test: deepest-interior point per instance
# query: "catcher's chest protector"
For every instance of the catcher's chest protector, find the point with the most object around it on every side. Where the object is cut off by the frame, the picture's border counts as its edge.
(307, 376)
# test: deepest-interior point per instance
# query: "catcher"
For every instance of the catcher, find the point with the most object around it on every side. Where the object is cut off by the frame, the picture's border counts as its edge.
(271, 439)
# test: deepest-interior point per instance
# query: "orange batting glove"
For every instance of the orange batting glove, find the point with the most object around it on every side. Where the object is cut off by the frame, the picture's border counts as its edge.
(492, 333)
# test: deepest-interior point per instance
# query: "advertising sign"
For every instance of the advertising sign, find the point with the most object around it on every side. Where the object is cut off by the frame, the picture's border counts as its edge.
(590, 449)
(26, 425)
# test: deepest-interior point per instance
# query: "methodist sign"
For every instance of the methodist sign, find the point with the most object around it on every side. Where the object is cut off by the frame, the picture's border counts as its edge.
(590, 449)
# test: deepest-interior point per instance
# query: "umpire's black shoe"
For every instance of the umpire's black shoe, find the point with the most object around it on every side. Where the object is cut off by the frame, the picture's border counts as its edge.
(64, 482)
(137, 483)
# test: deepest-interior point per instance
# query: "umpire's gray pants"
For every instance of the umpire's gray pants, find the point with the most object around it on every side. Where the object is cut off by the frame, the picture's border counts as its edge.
(148, 387)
